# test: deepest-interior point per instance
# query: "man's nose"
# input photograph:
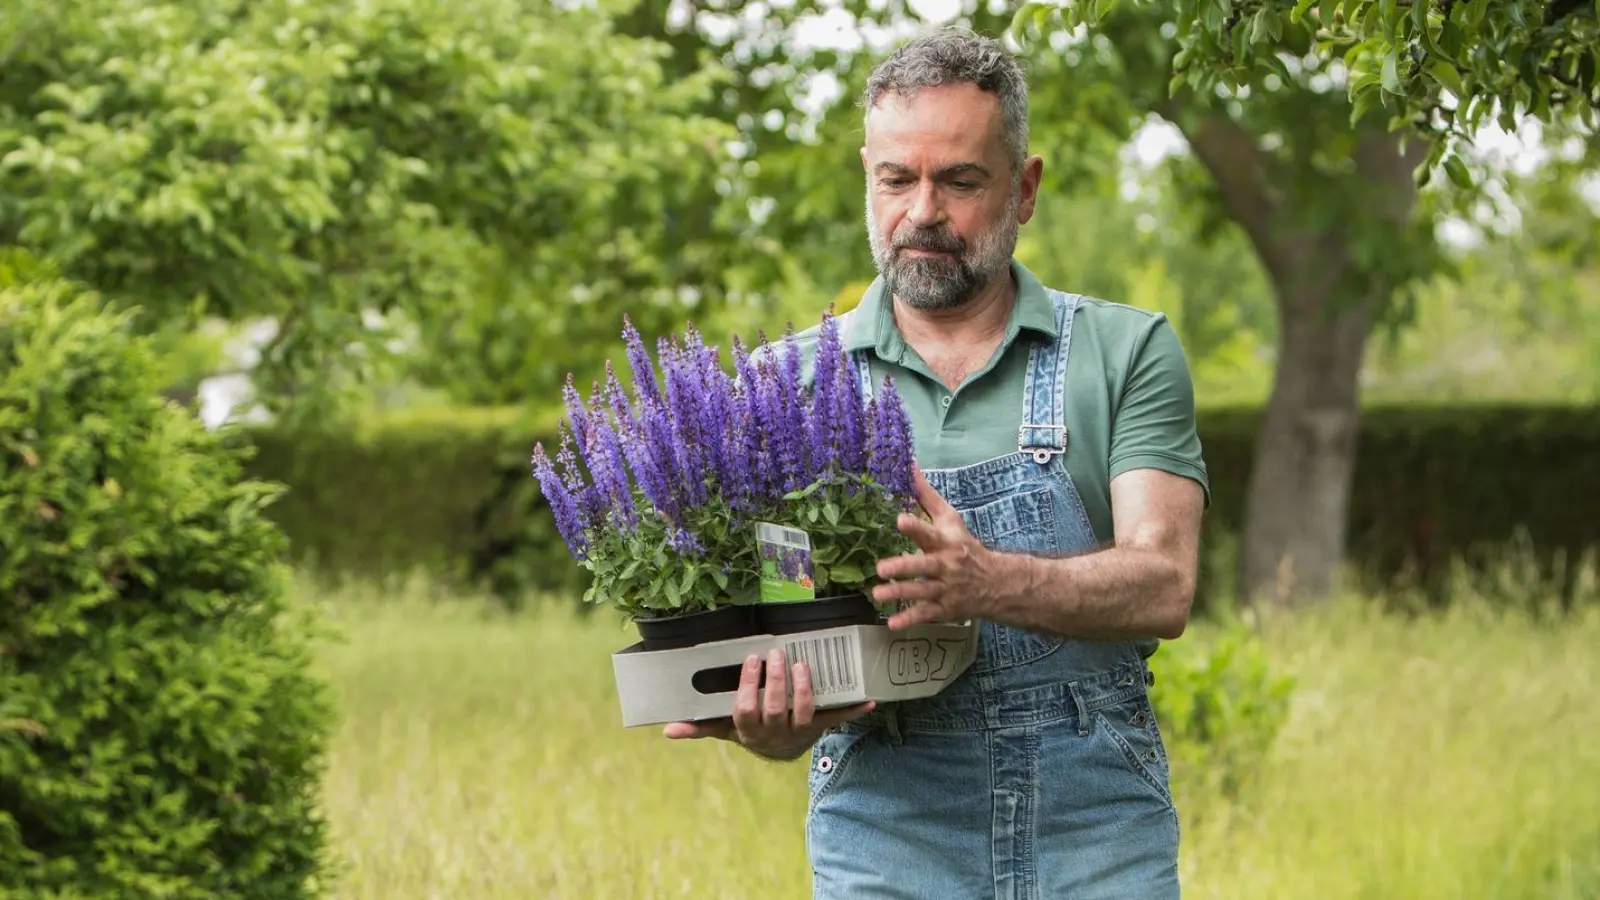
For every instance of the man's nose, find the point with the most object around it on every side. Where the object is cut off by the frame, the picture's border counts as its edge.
(927, 209)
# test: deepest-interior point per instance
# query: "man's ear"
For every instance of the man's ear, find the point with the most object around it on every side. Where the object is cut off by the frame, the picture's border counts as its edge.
(1032, 174)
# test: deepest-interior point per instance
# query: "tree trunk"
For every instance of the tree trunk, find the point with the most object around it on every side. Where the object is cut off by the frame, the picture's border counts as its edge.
(1297, 505)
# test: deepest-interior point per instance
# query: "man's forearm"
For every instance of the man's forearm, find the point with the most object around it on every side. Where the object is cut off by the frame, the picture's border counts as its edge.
(1113, 594)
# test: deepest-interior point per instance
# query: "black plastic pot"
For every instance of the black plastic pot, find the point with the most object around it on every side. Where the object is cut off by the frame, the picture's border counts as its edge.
(689, 629)
(814, 615)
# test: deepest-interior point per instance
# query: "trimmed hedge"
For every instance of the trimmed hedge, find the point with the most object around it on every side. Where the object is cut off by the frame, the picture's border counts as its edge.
(450, 491)
(162, 731)
(442, 491)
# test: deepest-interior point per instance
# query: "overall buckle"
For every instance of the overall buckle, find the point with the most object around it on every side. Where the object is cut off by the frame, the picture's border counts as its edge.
(1041, 455)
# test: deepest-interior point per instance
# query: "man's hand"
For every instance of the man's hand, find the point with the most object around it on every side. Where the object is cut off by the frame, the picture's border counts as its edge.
(762, 721)
(955, 577)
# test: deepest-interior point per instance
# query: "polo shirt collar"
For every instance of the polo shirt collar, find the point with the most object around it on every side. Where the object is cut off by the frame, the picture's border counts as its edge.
(871, 323)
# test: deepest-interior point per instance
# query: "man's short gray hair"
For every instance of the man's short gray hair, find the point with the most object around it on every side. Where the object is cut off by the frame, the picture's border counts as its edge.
(958, 56)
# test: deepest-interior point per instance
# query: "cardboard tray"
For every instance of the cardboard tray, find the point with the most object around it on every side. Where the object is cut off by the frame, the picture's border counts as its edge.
(849, 665)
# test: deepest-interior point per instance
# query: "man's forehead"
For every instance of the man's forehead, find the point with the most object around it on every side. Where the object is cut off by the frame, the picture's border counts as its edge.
(940, 126)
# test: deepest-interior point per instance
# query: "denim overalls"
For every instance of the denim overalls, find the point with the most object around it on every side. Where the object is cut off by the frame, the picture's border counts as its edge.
(1040, 772)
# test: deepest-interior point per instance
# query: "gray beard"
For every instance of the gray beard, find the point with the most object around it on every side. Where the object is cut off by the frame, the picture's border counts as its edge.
(935, 284)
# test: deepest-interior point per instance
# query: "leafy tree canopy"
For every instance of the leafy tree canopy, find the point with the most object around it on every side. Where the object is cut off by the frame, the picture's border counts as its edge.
(479, 179)
(1442, 67)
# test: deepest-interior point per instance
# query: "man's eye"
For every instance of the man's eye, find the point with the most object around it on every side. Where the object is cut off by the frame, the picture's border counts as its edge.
(963, 185)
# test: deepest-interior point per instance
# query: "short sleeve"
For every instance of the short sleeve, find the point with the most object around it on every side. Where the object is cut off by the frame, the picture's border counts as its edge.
(1154, 426)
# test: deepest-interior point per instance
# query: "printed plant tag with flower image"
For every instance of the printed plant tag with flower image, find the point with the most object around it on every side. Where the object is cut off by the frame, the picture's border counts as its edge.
(786, 571)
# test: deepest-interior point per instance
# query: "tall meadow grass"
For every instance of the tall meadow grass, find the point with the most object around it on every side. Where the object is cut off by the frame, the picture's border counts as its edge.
(1447, 755)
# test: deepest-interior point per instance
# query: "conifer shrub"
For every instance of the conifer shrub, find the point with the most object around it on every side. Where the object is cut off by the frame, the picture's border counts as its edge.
(161, 733)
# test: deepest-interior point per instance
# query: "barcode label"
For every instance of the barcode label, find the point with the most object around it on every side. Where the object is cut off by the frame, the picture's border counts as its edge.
(832, 661)
(783, 537)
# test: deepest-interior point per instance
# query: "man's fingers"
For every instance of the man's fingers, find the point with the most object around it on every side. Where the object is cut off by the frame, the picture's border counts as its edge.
(929, 589)
(920, 614)
(775, 708)
(832, 717)
(746, 703)
(804, 702)
(912, 565)
(925, 535)
(717, 728)
(938, 510)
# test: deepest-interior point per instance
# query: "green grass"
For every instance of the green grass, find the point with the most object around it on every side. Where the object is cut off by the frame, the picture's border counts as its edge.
(480, 756)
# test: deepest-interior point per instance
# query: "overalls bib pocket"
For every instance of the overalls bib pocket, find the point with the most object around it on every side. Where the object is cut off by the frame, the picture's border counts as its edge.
(1022, 522)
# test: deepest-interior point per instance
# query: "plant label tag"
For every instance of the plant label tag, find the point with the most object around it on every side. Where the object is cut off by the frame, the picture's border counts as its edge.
(786, 571)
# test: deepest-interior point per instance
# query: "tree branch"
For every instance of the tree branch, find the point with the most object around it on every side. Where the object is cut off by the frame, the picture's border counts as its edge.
(1241, 170)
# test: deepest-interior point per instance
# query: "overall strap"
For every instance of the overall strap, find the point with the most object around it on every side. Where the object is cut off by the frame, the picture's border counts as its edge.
(1043, 432)
(863, 366)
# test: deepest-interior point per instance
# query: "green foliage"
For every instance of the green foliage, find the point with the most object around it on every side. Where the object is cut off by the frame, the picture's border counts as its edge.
(442, 490)
(370, 175)
(639, 573)
(160, 732)
(850, 520)
(1445, 68)
(1220, 704)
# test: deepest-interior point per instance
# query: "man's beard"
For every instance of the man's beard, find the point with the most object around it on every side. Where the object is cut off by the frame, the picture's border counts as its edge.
(944, 282)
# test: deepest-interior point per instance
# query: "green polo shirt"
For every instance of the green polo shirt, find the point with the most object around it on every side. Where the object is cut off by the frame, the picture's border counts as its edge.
(1129, 403)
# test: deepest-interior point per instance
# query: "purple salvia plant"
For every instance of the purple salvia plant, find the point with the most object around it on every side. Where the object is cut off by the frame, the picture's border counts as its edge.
(680, 407)
(851, 417)
(642, 454)
(891, 455)
(746, 446)
(609, 469)
(563, 505)
(767, 440)
(715, 414)
(644, 375)
(686, 543)
(824, 420)
(578, 415)
(662, 456)
(794, 433)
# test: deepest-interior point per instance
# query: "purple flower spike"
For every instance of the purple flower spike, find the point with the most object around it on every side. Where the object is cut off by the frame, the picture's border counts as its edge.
(644, 374)
(563, 505)
(643, 455)
(892, 453)
(794, 433)
(826, 427)
(685, 421)
(851, 417)
(686, 543)
(607, 466)
(579, 416)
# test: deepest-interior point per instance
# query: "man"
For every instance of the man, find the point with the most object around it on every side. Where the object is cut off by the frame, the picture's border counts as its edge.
(1062, 479)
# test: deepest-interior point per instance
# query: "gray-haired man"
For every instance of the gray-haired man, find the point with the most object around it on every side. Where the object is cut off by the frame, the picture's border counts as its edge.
(1064, 486)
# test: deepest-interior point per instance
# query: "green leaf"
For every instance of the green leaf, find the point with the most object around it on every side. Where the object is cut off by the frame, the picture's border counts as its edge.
(1457, 170)
(1391, 73)
(830, 511)
(1363, 103)
(847, 572)
(1446, 75)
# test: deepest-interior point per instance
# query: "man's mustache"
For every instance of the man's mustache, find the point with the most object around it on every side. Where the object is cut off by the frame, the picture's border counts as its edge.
(937, 241)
